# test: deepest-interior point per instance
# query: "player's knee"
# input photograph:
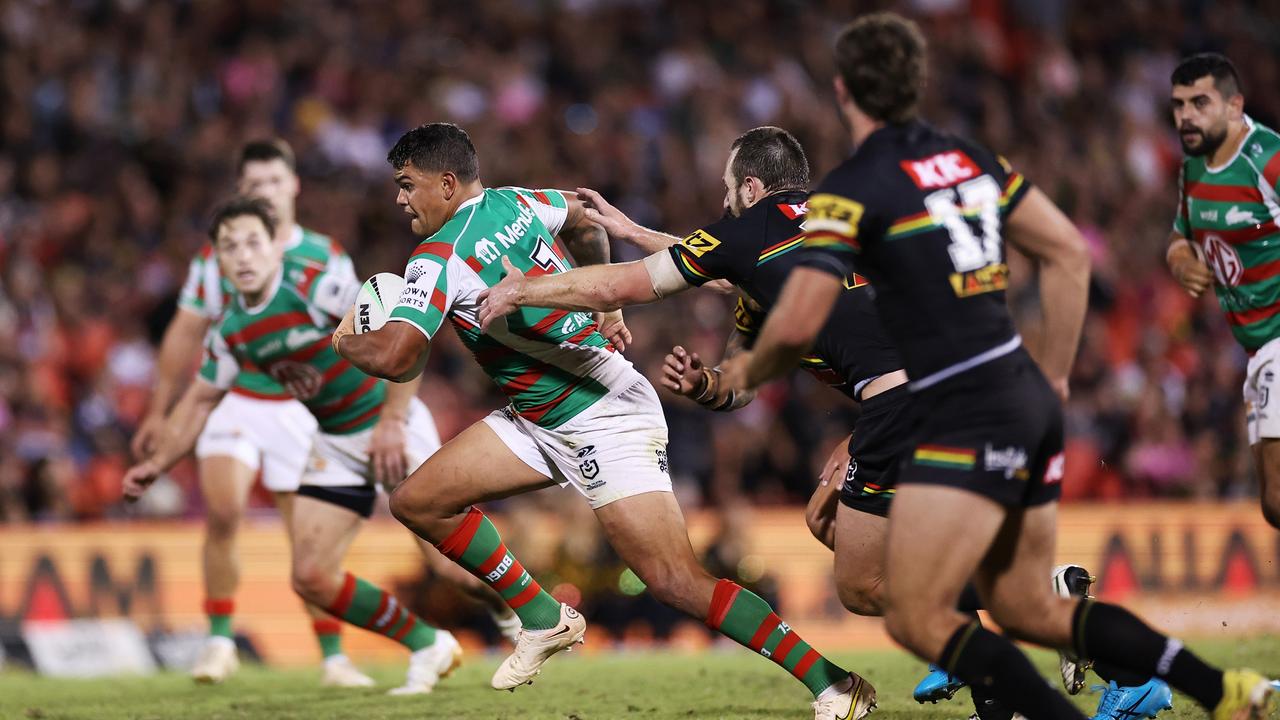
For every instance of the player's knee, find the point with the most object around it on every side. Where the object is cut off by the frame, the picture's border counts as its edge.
(221, 523)
(672, 583)
(905, 627)
(312, 581)
(863, 595)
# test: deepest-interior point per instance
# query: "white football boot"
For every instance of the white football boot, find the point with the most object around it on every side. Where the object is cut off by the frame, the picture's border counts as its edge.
(850, 699)
(428, 665)
(535, 647)
(217, 661)
(339, 671)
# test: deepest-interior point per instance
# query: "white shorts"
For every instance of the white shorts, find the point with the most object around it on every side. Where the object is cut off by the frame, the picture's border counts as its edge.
(615, 449)
(343, 460)
(271, 435)
(1260, 382)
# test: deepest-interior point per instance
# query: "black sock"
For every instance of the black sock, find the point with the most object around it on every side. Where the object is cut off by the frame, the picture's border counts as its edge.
(994, 667)
(1121, 676)
(969, 602)
(987, 707)
(1111, 634)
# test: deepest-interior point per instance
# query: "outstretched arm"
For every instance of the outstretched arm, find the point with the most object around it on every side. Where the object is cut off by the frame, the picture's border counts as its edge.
(596, 288)
(618, 225)
(182, 427)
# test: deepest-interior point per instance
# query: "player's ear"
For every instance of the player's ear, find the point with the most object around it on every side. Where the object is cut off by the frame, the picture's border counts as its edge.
(448, 184)
(842, 92)
(1235, 106)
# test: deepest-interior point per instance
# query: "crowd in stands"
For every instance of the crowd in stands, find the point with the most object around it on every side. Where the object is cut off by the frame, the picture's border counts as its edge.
(122, 118)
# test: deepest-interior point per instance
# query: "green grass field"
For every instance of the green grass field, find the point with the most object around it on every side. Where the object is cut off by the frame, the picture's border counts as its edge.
(641, 685)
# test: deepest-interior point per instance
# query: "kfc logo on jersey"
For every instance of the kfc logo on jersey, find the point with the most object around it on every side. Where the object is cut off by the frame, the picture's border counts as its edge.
(941, 170)
(1227, 267)
(793, 210)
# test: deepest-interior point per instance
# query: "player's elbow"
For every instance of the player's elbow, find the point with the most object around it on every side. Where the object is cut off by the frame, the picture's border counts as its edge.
(401, 368)
(1071, 257)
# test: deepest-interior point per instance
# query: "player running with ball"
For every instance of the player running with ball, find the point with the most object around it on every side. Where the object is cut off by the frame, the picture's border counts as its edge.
(580, 414)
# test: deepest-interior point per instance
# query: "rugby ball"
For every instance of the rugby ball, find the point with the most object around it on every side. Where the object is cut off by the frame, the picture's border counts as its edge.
(377, 297)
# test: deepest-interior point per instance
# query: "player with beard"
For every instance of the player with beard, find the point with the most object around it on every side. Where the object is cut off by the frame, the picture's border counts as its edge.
(1227, 235)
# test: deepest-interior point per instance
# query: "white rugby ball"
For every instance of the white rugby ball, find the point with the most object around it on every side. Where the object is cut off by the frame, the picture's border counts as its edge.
(377, 297)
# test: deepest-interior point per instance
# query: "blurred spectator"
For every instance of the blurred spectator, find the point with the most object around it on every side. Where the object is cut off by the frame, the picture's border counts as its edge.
(117, 138)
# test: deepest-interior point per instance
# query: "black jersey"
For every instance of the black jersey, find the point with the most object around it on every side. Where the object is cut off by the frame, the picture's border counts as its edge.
(756, 251)
(920, 213)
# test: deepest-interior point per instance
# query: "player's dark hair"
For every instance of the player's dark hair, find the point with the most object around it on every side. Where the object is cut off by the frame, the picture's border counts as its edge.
(1215, 65)
(773, 155)
(437, 147)
(881, 59)
(266, 150)
(239, 207)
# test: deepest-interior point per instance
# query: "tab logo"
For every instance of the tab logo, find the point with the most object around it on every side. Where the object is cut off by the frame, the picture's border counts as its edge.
(700, 241)
(941, 170)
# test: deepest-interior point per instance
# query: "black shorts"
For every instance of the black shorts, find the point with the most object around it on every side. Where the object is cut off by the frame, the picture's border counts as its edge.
(879, 438)
(357, 498)
(995, 430)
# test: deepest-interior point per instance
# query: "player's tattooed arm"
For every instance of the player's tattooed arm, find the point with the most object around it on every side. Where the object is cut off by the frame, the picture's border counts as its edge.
(182, 427)
(1038, 228)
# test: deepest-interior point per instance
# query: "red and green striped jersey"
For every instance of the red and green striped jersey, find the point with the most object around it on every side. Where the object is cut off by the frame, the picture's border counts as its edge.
(552, 364)
(288, 338)
(1232, 213)
(206, 293)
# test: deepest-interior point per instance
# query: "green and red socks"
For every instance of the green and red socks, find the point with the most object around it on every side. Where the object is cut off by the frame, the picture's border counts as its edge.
(477, 546)
(747, 619)
(364, 604)
(329, 635)
(220, 611)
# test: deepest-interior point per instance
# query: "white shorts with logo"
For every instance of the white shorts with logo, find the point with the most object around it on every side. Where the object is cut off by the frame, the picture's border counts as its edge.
(271, 435)
(1261, 383)
(343, 460)
(614, 449)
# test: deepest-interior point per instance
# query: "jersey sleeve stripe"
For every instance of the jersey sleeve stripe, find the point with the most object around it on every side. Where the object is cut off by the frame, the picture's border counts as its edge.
(441, 250)
(474, 264)
(542, 197)
(694, 269)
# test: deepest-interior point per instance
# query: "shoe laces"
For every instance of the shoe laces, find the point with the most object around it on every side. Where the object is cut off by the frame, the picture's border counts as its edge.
(1111, 697)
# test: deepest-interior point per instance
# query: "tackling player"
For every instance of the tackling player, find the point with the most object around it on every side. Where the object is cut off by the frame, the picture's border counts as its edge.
(278, 321)
(1229, 207)
(925, 214)
(580, 414)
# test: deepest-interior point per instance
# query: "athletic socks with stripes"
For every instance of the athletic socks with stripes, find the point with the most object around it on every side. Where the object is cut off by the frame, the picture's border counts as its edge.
(329, 635)
(1110, 634)
(220, 611)
(364, 604)
(747, 619)
(477, 546)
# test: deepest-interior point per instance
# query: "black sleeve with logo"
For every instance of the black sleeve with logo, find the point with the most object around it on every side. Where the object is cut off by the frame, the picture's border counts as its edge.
(921, 213)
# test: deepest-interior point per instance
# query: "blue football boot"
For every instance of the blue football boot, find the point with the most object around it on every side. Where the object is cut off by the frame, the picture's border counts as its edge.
(937, 685)
(1132, 703)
